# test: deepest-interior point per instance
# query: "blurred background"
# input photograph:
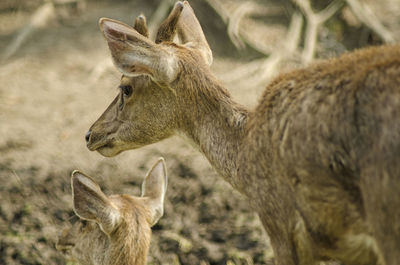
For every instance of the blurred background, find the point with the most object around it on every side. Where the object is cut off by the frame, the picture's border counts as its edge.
(56, 78)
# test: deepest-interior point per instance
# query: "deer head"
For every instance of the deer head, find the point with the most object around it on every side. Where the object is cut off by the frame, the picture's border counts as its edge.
(148, 107)
(113, 229)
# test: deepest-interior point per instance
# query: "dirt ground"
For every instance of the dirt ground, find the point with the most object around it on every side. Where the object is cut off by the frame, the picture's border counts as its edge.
(49, 96)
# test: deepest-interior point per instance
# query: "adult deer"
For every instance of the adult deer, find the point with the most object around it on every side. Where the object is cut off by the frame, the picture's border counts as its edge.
(113, 230)
(318, 158)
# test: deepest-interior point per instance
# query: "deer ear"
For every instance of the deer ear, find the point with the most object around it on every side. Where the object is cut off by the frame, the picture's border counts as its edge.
(154, 187)
(140, 25)
(191, 34)
(134, 54)
(167, 29)
(90, 203)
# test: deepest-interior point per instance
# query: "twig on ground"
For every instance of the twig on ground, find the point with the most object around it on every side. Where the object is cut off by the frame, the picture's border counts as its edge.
(364, 13)
(233, 15)
(244, 9)
(262, 70)
(314, 21)
(42, 16)
(289, 48)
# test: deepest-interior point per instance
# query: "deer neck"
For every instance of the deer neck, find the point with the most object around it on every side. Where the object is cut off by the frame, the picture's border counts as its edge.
(215, 124)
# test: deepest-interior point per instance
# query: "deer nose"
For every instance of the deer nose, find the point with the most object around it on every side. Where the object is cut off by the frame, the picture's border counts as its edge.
(87, 136)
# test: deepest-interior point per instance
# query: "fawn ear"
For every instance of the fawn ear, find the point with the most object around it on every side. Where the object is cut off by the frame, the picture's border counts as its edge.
(191, 34)
(154, 187)
(90, 203)
(134, 54)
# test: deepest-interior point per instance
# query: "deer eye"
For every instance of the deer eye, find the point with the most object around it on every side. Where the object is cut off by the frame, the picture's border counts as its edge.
(126, 90)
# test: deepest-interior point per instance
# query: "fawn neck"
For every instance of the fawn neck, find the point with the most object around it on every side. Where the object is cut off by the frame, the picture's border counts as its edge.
(214, 122)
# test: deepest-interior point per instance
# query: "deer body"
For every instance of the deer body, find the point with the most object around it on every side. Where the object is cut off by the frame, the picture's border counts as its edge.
(322, 153)
(299, 156)
(318, 159)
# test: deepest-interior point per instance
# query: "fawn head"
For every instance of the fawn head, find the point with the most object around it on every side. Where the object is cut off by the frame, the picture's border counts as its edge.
(146, 109)
(113, 229)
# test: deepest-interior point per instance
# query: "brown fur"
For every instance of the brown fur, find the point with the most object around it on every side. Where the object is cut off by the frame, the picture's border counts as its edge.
(113, 230)
(128, 243)
(167, 29)
(318, 159)
(141, 26)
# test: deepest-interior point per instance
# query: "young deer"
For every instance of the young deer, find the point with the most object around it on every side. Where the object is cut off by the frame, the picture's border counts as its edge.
(113, 230)
(318, 159)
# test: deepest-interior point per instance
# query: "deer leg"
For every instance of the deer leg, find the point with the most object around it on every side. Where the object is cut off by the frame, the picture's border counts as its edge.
(380, 185)
(289, 241)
